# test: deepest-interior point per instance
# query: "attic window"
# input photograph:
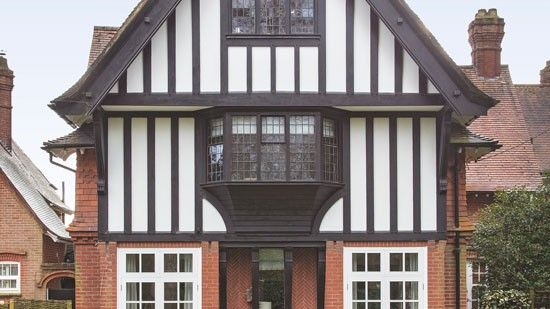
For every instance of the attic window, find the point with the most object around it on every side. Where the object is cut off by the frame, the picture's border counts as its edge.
(273, 17)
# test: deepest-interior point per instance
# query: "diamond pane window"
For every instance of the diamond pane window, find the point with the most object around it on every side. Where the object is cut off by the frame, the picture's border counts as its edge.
(273, 17)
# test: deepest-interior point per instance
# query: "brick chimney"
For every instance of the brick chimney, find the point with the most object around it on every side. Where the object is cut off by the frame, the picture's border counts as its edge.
(485, 35)
(6, 85)
(545, 75)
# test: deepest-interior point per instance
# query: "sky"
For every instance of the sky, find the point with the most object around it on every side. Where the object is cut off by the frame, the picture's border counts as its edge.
(47, 45)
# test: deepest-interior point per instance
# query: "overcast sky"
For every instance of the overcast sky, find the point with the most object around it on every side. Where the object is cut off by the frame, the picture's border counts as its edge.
(47, 42)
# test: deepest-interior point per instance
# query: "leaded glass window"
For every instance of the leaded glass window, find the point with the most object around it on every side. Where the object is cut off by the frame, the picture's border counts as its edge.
(215, 150)
(273, 148)
(244, 157)
(302, 147)
(302, 16)
(273, 17)
(330, 148)
(244, 14)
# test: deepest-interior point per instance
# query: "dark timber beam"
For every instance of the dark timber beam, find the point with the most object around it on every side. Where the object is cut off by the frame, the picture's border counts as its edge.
(270, 99)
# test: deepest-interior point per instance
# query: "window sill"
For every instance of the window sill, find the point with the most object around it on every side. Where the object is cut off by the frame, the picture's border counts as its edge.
(10, 294)
(272, 183)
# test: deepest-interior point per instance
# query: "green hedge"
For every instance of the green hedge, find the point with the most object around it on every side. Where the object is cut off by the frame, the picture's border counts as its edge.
(37, 304)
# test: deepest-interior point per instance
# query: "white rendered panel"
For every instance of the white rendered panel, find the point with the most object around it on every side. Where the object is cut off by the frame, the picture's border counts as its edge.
(333, 221)
(358, 174)
(431, 88)
(309, 69)
(237, 69)
(428, 174)
(163, 175)
(184, 47)
(261, 69)
(212, 220)
(115, 174)
(386, 60)
(361, 41)
(134, 75)
(159, 60)
(114, 89)
(336, 45)
(411, 74)
(381, 162)
(284, 69)
(139, 174)
(210, 45)
(187, 174)
(404, 174)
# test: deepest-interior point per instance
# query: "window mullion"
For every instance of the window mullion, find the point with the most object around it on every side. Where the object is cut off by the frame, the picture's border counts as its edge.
(288, 16)
(257, 10)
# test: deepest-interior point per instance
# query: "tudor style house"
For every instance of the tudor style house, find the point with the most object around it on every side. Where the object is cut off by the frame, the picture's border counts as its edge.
(272, 154)
(35, 249)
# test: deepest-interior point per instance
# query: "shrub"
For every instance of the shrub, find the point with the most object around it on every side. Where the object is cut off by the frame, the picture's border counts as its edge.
(509, 299)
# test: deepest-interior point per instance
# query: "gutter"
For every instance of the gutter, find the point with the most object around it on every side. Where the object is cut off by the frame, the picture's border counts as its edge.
(456, 250)
(59, 164)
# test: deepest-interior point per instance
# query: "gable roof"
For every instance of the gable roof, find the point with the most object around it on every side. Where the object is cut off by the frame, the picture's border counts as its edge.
(514, 164)
(535, 104)
(76, 104)
(35, 189)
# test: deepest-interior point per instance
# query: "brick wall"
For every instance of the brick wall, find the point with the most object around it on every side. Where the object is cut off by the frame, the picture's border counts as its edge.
(85, 219)
(21, 239)
(334, 275)
(239, 278)
(54, 252)
(304, 278)
(210, 275)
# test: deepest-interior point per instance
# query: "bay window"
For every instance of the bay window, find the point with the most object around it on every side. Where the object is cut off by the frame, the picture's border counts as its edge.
(273, 147)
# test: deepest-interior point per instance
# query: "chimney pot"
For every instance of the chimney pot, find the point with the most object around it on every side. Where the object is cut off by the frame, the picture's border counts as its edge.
(6, 86)
(545, 75)
(485, 36)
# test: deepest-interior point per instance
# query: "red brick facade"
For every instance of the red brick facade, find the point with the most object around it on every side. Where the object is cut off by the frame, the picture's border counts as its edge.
(239, 277)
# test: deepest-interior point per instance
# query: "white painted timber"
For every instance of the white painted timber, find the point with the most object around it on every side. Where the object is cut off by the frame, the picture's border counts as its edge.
(210, 46)
(115, 175)
(187, 174)
(404, 174)
(309, 69)
(431, 88)
(261, 69)
(361, 53)
(159, 60)
(381, 161)
(284, 69)
(336, 46)
(410, 74)
(184, 47)
(428, 174)
(358, 174)
(139, 174)
(333, 221)
(212, 220)
(134, 75)
(386, 60)
(237, 69)
(163, 175)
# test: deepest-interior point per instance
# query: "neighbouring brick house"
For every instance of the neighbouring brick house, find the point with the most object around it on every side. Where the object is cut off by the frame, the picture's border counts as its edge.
(232, 156)
(35, 248)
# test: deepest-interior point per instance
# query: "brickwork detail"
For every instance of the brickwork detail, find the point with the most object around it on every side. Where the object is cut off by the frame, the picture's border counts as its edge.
(334, 275)
(210, 275)
(304, 278)
(239, 278)
(486, 33)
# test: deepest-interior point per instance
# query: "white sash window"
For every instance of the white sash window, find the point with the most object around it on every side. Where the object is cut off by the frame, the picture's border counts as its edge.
(159, 278)
(10, 278)
(385, 278)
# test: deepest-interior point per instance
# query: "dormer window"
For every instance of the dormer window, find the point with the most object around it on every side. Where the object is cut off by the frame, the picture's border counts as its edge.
(264, 147)
(273, 17)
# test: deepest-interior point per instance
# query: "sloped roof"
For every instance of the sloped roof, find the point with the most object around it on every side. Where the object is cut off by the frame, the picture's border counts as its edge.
(514, 164)
(100, 40)
(79, 101)
(63, 147)
(535, 103)
(35, 189)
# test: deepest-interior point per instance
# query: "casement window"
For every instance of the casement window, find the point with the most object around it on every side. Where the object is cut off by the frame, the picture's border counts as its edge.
(273, 17)
(10, 278)
(274, 147)
(476, 276)
(385, 278)
(159, 278)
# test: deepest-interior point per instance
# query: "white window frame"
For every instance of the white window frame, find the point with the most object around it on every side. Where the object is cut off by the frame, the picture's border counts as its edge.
(385, 276)
(159, 277)
(17, 279)
(470, 279)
